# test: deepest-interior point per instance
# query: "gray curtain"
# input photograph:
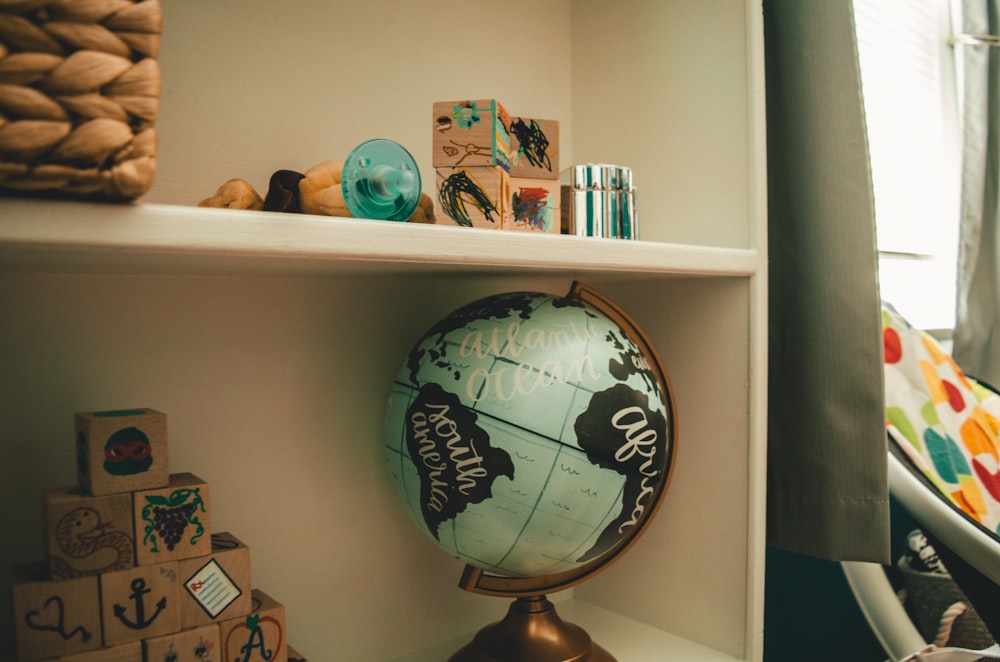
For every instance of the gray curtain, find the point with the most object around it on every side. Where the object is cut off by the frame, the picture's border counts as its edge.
(977, 325)
(827, 487)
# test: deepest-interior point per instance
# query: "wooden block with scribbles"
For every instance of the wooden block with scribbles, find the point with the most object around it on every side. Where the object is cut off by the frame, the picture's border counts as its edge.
(475, 197)
(534, 205)
(470, 133)
(534, 148)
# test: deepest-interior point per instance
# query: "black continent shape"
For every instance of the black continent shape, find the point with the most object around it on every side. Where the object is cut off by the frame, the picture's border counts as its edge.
(453, 456)
(643, 467)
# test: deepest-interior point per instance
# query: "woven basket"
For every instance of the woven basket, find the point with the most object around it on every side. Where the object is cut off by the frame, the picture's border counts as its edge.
(79, 96)
(929, 596)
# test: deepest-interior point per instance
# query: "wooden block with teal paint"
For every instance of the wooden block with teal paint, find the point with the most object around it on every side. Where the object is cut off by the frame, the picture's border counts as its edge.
(139, 603)
(121, 450)
(476, 197)
(87, 535)
(216, 587)
(54, 618)
(200, 644)
(471, 133)
(534, 205)
(534, 148)
(260, 636)
(173, 522)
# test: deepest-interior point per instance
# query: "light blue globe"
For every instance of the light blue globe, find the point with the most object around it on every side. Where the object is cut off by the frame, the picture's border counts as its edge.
(529, 434)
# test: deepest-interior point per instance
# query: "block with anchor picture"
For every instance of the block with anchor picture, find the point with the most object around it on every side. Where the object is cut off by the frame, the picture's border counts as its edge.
(121, 450)
(86, 535)
(54, 618)
(140, 603)
(172, 522)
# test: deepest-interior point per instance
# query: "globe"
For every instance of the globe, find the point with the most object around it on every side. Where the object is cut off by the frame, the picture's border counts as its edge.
(530, 434)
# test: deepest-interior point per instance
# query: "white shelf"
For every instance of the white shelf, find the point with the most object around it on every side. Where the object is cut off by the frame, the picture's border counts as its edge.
(70, 236)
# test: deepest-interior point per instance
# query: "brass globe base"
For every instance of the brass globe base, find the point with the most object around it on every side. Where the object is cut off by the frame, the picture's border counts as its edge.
(532, 632)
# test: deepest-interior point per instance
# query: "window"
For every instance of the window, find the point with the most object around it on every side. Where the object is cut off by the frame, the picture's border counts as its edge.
(911, 107)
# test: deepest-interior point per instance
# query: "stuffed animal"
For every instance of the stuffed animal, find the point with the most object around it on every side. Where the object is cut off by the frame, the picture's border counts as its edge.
(317, 191)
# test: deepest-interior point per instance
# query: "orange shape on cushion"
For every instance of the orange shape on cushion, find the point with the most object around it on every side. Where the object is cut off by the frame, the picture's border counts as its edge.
(934, 384)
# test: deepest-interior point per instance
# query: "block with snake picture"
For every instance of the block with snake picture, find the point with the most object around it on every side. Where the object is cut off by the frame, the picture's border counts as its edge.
(173, 522)
(121, 450)
(87, 535)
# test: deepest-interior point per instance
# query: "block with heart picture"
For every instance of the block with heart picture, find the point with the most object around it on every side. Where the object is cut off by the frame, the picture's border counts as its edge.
(54, 618)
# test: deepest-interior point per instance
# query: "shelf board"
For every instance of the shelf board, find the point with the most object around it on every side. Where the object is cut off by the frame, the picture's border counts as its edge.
(626, 639)
(47, 235)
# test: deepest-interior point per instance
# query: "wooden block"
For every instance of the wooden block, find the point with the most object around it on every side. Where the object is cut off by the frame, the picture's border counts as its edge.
(140, 603)
(257, 637)
(471, 133)
(200, 644)
(172, 523)
(474, 197)
(216, 587)
(534, 205)
(534, 148)
(54, 617)
(86, 535)
(130, 652)
(295, 656)
(121, 451)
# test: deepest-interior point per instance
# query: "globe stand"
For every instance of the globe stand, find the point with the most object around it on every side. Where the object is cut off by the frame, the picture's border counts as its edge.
(532, 631)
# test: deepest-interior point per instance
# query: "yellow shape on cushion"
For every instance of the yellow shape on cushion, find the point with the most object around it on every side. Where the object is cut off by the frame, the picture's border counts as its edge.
(933, 349)
(934, 384)
(970, 499)
(959, 373)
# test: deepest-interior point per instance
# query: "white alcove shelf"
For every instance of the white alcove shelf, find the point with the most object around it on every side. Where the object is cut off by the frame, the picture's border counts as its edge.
(270, 340)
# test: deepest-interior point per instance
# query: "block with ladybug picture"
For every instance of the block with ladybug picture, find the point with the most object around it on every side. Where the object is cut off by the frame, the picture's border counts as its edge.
(121, 450)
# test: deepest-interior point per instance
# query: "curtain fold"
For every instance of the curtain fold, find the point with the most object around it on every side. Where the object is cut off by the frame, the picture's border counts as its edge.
(977, 314)
(827, 449)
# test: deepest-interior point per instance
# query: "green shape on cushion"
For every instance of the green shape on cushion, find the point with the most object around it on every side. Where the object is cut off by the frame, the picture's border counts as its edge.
(898, 417)
(947, 457)
(929, 413)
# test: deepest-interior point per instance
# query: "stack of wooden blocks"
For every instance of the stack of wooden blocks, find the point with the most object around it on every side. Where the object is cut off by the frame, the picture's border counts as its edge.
(496, 171)
(134, 572)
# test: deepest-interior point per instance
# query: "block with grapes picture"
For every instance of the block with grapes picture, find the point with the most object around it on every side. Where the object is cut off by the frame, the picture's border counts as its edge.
(172, 523)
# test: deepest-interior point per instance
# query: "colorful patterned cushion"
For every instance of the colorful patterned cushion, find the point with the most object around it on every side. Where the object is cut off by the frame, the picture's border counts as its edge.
(945, 422)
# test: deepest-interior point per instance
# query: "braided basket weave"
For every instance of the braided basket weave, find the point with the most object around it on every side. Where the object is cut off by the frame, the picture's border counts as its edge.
(79, 96)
